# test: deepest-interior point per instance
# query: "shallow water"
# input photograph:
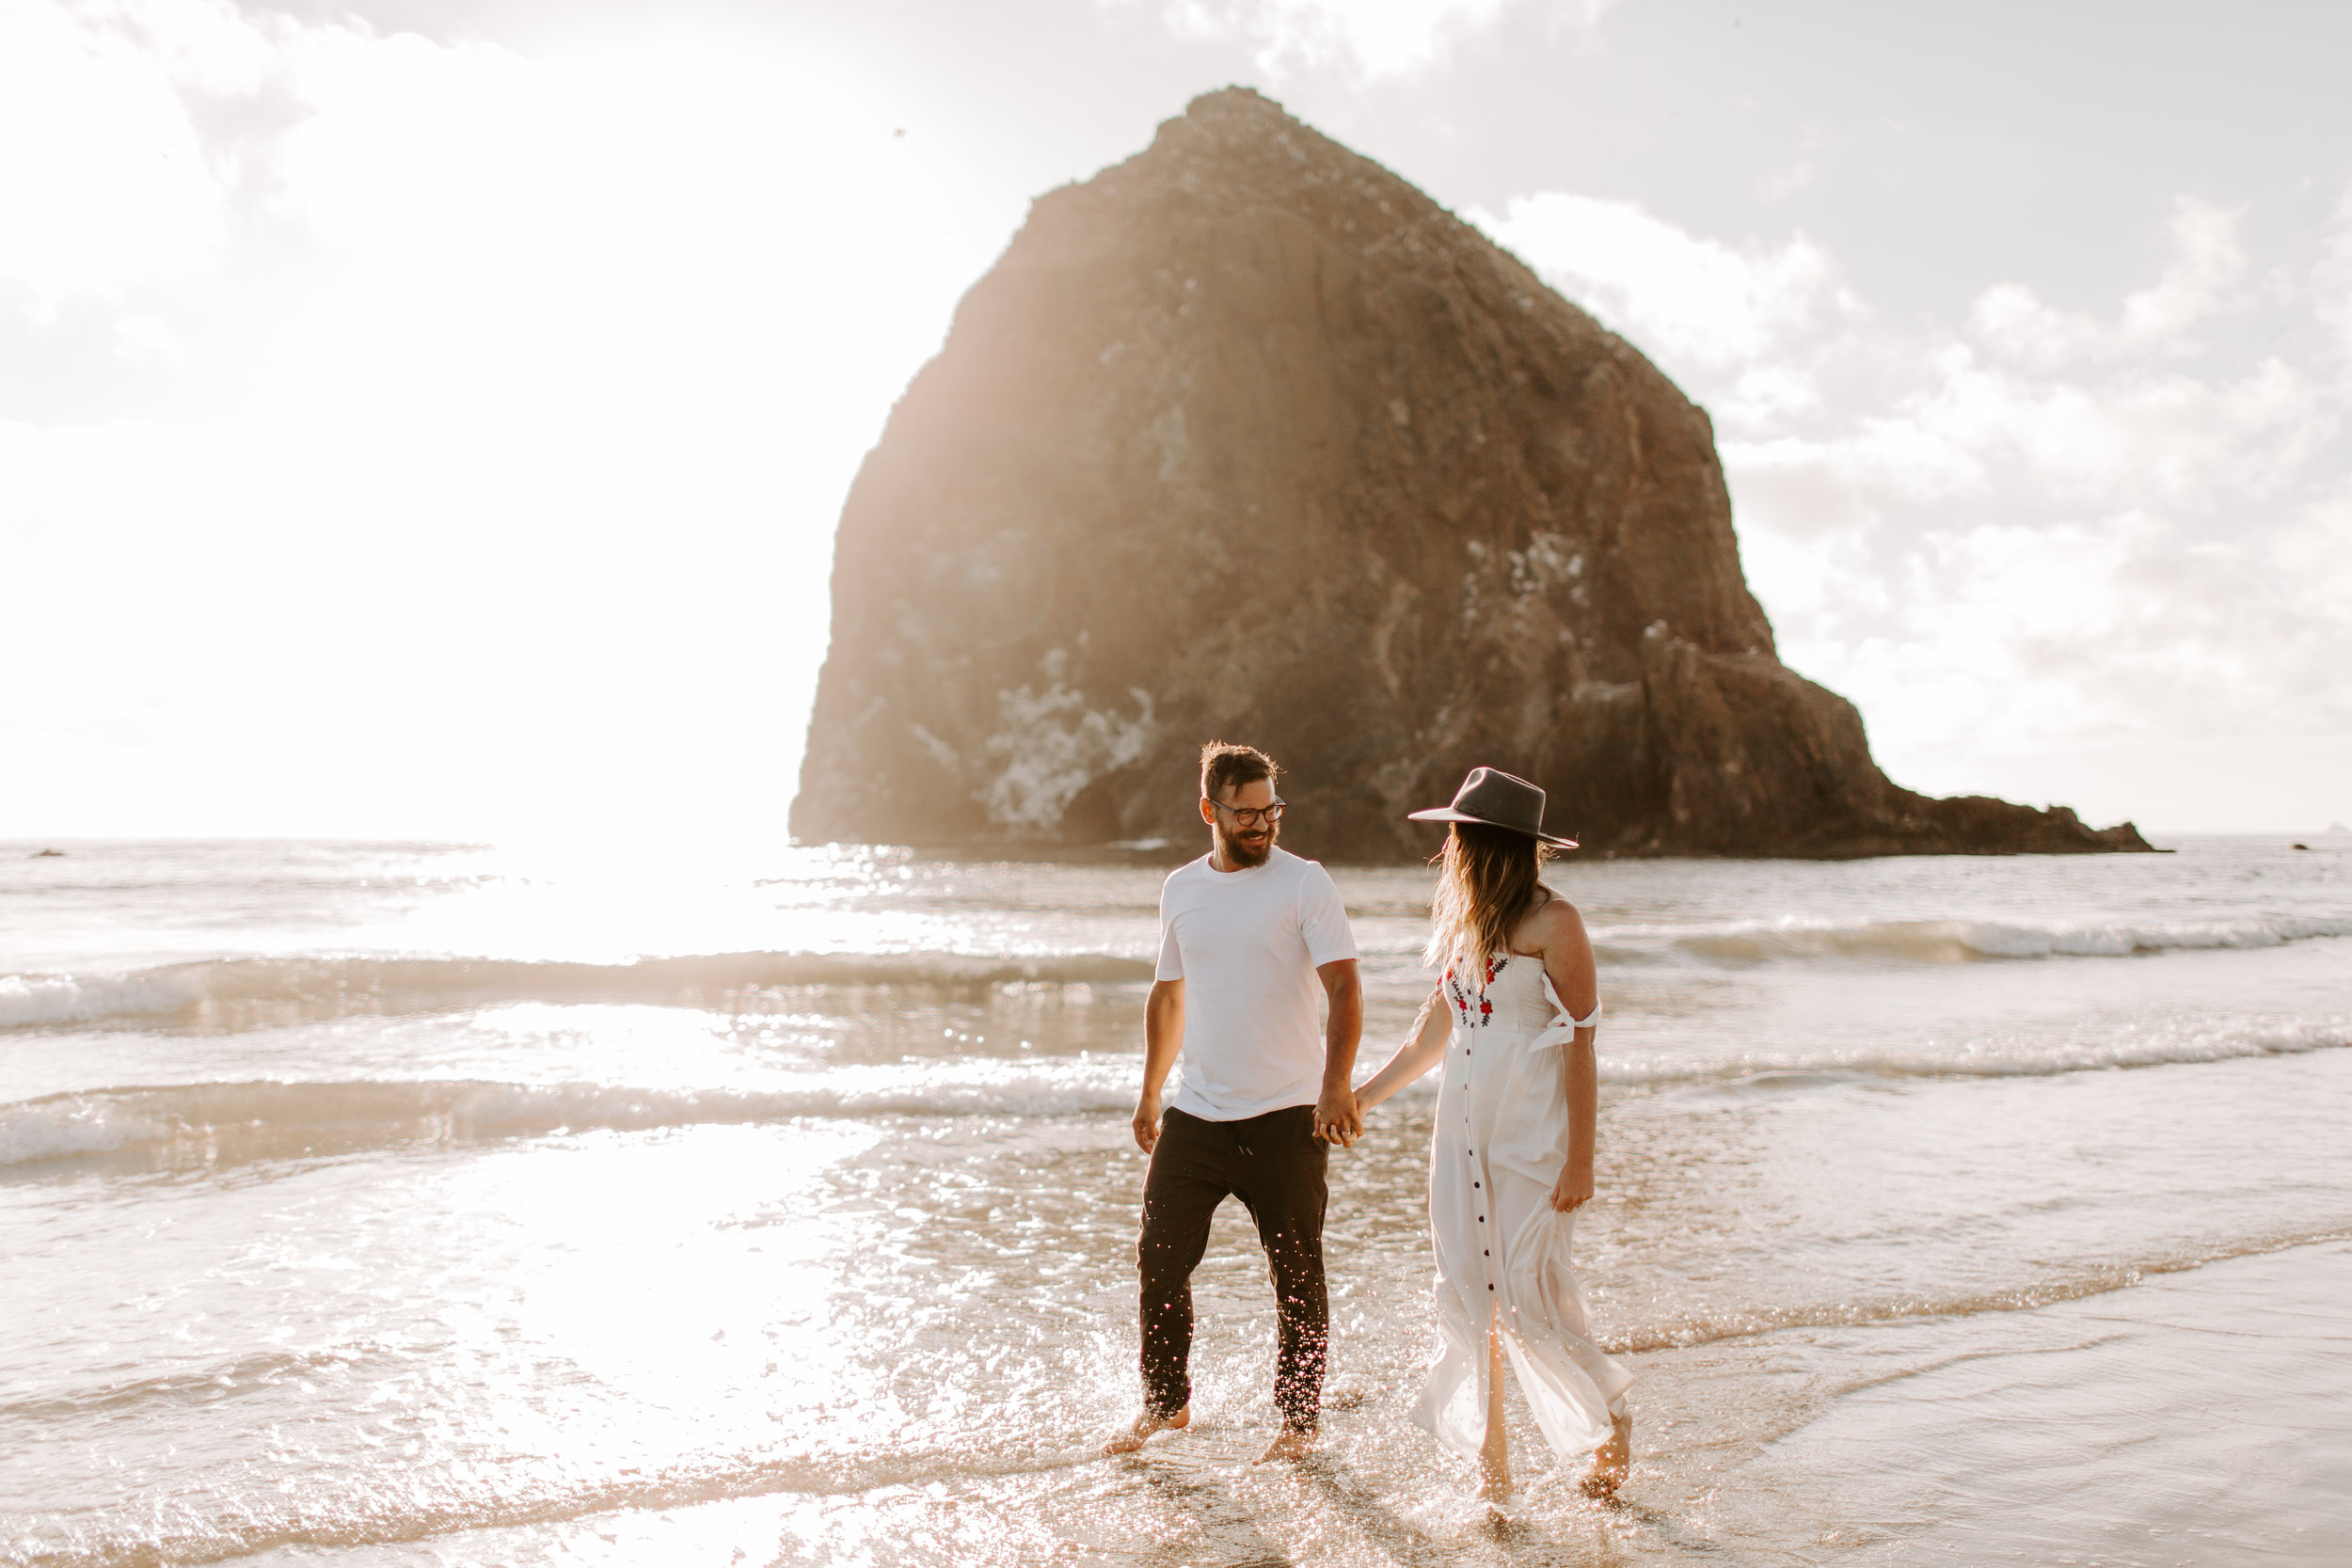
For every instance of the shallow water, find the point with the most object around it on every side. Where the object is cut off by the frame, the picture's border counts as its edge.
(424, 1204)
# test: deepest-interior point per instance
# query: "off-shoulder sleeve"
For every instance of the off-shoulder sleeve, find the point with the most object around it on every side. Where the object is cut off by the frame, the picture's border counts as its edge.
(1563, 1025)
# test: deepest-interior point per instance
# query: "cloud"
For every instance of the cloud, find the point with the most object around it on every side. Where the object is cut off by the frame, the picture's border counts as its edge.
(2206, 277)
(1783, 183)
(1696, 300)
(2028, 532)
(1368, 38)
(2202, 279)
(121, 188)
(2331, 286)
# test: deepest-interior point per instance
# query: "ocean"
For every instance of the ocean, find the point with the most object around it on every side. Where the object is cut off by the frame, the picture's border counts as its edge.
(422, 1204)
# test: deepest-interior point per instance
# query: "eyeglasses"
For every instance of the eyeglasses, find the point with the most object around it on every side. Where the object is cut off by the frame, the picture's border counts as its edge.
(1248, 816)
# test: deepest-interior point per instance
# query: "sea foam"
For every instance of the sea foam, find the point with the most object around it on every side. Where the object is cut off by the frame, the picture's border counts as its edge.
(206, 1122)
(235, 1122)
(230, 991)
(1947, 941)
(285, 989)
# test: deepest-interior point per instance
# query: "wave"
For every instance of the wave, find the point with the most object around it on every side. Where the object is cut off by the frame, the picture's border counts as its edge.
(214, 1124)
(1947, 941)
(205, 1385)
(2092, 1279)
(264, 992)
(372, 1513)
(2090, 1051)
(211, 1124)
(246, 993)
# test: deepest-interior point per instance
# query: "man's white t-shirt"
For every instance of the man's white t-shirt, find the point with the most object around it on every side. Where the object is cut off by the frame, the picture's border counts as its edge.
(1246, 944)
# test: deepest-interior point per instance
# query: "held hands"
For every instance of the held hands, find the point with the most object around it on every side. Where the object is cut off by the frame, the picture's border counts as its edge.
(1338, 1118)
(1573, 1190)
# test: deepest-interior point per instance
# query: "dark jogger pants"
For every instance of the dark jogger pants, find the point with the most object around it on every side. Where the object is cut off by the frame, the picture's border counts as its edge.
(1275, 1164)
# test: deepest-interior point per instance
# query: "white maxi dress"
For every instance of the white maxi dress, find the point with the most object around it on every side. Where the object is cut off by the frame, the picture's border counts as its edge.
(1502, 1138)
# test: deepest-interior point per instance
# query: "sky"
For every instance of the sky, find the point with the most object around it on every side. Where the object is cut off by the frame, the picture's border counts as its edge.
(426, 418)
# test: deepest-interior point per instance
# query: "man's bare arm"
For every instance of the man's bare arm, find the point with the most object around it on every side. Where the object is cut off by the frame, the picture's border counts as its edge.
(1336, 1116)
(1163, 1034)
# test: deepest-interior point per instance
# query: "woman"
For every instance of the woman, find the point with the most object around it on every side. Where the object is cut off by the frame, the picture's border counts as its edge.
(1513, 1157)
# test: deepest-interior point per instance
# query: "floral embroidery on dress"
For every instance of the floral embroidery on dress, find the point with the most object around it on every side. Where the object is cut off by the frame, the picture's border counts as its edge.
(1473, 1012)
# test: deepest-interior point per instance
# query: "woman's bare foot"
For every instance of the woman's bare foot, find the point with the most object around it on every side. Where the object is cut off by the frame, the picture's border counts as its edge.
(1612, 1461)
(1291, 1444)
(1146, 1424)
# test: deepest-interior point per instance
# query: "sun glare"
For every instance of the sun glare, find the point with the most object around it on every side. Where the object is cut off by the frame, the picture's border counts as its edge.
(548, 380)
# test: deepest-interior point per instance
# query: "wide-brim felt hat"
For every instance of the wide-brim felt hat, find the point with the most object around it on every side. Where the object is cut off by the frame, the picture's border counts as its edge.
(1499, 799)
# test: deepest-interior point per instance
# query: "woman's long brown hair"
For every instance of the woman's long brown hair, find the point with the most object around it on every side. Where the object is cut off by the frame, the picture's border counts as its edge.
(1489, 879)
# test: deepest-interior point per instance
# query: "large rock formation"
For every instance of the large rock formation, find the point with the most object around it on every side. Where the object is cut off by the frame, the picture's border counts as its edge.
(1248, 438)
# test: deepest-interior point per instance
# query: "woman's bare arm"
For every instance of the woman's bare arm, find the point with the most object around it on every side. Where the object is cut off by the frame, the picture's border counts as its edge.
(1575, 1187)
(1555, 933)
(1423, 1044)
(1568, 955)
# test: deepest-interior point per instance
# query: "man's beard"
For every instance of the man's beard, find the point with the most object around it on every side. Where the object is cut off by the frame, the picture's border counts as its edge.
(1243, 855)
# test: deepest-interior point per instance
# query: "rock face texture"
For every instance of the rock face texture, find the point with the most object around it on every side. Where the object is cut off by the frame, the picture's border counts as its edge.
(1245, 439)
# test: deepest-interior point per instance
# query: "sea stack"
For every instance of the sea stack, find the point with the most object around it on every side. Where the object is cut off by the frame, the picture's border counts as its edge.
(1246, 438)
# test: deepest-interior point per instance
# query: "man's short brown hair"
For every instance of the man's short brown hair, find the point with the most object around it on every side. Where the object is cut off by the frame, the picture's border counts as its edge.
(1225, 766)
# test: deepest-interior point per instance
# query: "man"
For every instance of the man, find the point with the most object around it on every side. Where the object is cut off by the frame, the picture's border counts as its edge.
(1247, 934)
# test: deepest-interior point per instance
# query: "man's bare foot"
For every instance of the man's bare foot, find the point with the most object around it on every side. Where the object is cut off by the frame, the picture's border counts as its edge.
(1146, 1424)
(1612, 1461)
(1292, 1445)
